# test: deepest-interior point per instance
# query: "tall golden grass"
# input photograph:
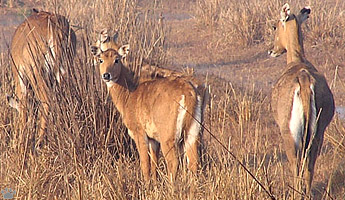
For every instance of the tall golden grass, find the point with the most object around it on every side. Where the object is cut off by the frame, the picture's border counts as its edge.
(88, 155)
(248, 22)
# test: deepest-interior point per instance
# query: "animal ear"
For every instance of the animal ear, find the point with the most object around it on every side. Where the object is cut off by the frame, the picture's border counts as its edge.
(124, 50)
(115, 36)
(103, 35)
(95, 50)
(285, 13)
(304, 14)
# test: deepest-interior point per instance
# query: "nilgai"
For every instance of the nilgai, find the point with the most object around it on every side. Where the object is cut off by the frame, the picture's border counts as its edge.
(165, 111)
(39, 47)
(302, 102)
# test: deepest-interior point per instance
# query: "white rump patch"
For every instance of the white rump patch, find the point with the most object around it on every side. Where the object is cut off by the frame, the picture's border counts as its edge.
(194, 130)
(180, 117)
(296, 124)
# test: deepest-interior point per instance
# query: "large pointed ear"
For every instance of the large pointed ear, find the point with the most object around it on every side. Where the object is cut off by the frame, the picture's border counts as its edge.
(303, 14)
(285, 13)
(95, 50)
(124, 50)
(103, 35)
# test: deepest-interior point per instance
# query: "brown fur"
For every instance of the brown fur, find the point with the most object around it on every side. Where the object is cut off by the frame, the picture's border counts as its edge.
(151, 111)
(37, 49)
(300, 73)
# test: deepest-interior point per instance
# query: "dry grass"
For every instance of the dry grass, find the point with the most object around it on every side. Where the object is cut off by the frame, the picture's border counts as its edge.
(248, 22)
(88, 154)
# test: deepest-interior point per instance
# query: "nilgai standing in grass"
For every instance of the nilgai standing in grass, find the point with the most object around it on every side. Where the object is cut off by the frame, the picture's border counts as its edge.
(40, 48)
(302, 102)
(166, 111)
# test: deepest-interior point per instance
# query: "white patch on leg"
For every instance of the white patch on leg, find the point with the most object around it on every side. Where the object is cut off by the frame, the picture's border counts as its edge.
(153, 148)
(296, 124)
(180, 118)
(153, 145)
(194, 129)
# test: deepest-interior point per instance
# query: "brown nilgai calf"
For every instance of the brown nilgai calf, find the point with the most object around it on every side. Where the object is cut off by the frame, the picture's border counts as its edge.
(164, 112)
(302, 102)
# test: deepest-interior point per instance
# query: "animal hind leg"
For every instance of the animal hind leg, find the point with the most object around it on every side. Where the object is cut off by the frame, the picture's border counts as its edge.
(170, 154)
(44, 112)
(154, 152)
(141, 141)
(310, 165)
(192, 156)
(21, 107)
(292, 154)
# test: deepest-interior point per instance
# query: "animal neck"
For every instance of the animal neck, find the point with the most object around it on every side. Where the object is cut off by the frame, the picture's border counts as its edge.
(122, 89)
(295, 51)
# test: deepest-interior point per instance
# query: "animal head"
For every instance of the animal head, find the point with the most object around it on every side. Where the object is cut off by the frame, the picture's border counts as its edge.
(287, 24)
(110, 62)
(107, 42)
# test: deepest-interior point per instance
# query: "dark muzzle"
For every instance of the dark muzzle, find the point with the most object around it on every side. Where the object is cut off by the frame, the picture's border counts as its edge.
(106, 76)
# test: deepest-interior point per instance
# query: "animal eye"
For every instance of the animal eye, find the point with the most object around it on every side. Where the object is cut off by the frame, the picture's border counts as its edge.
(274, 28)
(101, 61)
(117, 60)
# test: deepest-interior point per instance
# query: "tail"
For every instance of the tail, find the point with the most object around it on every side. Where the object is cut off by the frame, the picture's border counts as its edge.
(309, 108)
(196, 127)
(205, 94)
